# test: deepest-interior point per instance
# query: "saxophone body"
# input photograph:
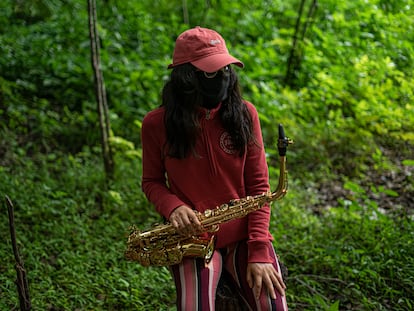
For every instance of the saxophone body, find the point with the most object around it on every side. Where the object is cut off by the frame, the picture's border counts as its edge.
(163, 246)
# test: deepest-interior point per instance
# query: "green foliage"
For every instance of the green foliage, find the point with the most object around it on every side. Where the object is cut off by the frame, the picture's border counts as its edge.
(353, 256)
(72, 237)
(348, 106)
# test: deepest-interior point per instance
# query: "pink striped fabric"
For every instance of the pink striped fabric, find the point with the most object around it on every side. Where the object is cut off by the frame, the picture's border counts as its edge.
(196, 282)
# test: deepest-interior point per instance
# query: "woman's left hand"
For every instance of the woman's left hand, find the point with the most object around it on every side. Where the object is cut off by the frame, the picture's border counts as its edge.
(264, 273)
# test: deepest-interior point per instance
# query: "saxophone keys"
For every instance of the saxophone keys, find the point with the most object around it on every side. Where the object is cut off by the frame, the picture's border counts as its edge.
(214, 228)
(223, 207)
(210, 249)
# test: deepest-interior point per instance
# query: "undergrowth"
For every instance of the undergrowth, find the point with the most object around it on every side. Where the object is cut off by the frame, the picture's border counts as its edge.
(72, 234)
(346, 102)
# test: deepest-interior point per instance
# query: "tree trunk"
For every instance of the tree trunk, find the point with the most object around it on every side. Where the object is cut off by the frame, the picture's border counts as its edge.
(100, 92)
(295, 55)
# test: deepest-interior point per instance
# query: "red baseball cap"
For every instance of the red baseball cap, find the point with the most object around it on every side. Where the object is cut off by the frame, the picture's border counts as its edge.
(203, 48)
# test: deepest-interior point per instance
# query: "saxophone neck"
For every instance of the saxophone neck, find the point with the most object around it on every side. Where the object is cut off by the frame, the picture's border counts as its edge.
(282, 186)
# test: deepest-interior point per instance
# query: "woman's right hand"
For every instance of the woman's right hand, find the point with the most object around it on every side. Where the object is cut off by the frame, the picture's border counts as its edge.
(185, 221)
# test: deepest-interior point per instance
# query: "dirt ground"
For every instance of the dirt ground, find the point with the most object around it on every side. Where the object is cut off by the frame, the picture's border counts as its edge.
(391, 189)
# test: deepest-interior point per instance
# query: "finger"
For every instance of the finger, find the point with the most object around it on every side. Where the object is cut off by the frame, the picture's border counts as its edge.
(277, 277)
(249, 278)
(174, 223)
(278, 283)
(195, 221)
(270, 287)
(189, 227)
(179, 226)
(257, 288)
(185, 221)
(280, 278)
(179, 219)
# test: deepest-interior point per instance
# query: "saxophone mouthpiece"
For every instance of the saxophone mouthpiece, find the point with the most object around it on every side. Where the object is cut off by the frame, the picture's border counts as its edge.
(283, 141)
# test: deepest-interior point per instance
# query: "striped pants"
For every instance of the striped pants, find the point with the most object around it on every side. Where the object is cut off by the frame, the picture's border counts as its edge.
(196, 282)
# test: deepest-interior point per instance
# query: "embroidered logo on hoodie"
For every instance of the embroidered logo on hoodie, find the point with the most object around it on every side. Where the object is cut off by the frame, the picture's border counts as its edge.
(226, 143)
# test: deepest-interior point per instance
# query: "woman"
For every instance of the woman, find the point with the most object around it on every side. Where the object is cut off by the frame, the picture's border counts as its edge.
(201, 148)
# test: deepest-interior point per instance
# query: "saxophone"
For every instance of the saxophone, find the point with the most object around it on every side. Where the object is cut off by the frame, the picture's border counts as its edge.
(163, 246)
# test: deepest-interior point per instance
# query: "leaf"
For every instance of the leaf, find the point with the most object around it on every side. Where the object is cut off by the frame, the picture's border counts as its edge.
(408, 162)
(115, 196)
(334, 306)
(354, 187)
(391, 193)
(388, 192)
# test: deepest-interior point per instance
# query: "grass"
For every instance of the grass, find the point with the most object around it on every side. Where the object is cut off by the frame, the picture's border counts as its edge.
(72, 236)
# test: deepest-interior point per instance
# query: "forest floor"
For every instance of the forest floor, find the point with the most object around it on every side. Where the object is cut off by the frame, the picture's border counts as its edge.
(392, 189)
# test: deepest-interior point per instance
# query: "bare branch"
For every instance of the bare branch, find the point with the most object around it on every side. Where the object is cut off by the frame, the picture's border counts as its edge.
(21, 281)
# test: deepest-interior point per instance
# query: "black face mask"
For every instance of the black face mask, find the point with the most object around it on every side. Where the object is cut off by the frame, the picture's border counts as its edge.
(214, 90)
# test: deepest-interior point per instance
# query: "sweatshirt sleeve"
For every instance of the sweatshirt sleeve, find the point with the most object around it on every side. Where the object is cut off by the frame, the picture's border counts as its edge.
(257, 182)
(154, 180)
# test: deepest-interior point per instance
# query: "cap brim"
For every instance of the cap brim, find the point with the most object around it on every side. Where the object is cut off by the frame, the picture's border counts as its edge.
(215, 62)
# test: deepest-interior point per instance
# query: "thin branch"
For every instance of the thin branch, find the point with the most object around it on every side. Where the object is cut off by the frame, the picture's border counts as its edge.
(294, 43)
(100, 92)
(309, 18)
(21, 281)
(185, 13)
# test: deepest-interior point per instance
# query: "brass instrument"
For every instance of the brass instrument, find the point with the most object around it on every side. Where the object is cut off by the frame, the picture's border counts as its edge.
(163, 246)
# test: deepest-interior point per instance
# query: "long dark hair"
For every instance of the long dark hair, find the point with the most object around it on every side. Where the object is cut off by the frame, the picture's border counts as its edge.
(181, 99)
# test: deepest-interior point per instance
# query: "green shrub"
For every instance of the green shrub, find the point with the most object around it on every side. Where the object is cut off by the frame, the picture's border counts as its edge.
(347, 104)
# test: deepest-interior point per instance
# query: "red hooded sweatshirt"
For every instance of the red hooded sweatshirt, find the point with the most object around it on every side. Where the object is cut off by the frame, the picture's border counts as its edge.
(214, 176)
